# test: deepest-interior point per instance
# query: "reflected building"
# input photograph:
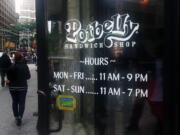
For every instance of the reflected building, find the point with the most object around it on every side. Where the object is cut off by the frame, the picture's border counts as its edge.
(8, 16)
(27, 11)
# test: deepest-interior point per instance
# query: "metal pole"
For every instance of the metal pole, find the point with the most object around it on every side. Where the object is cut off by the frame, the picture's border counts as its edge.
(28, 37)
(2, 43)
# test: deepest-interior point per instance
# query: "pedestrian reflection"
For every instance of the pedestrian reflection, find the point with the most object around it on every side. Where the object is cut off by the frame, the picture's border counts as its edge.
(155, 97)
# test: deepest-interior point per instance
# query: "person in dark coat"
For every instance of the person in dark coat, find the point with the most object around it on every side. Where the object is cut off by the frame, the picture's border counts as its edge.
(17, 76)
(5, 63)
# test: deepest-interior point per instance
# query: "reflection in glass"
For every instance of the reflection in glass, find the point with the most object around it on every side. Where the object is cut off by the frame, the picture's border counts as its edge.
(107, 104)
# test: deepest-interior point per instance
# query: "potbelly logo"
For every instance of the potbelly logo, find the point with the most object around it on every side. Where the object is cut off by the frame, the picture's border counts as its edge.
(116, 31)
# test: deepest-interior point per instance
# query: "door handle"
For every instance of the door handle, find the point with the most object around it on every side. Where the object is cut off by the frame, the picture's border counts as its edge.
(40, 92)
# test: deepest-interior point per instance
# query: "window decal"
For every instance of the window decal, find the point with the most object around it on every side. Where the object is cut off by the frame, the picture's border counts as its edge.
(116, 32)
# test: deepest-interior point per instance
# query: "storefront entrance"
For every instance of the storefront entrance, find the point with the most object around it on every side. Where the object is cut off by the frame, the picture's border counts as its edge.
(103, 68)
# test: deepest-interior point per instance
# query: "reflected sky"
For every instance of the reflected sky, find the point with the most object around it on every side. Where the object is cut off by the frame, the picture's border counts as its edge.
(17, 5)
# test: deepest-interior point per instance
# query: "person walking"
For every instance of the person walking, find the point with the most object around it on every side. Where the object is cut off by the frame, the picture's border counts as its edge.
(17, 76)
(5, 63)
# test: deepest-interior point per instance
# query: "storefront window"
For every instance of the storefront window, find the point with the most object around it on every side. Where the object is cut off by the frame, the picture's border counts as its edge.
(105, 66)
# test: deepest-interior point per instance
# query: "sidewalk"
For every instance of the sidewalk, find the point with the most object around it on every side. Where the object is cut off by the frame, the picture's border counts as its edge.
(7, 122)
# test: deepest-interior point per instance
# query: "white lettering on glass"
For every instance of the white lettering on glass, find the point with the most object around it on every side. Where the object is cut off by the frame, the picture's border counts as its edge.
(119, 28)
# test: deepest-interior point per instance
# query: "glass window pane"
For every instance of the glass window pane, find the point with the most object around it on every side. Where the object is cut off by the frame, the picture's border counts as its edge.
(105, 63)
